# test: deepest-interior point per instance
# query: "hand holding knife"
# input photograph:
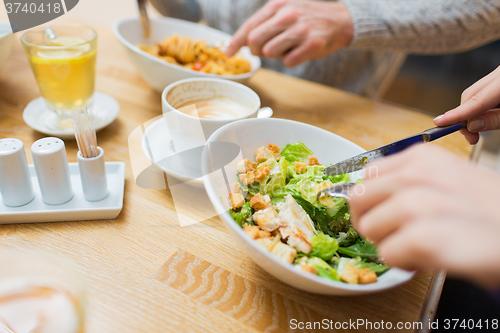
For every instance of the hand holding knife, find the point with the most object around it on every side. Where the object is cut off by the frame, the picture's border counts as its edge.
(358, 162)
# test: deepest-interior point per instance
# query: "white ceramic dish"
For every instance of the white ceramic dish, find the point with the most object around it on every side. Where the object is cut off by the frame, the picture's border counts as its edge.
(158, 147)
(159, 73)
(246, 136)
(6, 41)
(37, 116)
(77, 209)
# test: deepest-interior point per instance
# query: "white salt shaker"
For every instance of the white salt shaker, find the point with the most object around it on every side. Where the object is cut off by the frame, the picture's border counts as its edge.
(51, 165)
(15, 180)
(93, 176)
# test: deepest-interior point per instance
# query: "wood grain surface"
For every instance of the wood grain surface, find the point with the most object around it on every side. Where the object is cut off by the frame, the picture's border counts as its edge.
(145, 272)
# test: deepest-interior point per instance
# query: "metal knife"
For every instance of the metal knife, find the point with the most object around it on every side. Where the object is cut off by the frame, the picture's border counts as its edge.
(359, 161)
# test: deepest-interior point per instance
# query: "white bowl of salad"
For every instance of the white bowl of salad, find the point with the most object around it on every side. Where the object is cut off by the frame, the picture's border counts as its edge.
(262, 176)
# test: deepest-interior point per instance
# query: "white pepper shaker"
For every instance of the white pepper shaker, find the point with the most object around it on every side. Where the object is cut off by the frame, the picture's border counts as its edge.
(52, 171)
(15, 179)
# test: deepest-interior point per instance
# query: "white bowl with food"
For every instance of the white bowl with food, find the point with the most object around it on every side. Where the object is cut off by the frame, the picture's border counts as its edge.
(6, 41)
(278, 221)
(159, 71)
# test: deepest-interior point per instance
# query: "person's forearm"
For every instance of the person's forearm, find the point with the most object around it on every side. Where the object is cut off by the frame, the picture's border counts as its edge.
(424, 26)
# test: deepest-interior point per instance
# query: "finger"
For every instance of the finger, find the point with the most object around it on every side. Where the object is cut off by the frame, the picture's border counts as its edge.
(308, 50)
(479, 85)
(240, 36)
(281, 44)
(472, 138)
(490, 120)
(402, 208)
(269, 29)
(415, 246)
(369, 194)
(486, 99)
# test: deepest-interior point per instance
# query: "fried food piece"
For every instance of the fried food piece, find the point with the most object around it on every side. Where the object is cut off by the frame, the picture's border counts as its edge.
(300, 167)
(247, 178)
(284, 252)
(260, 201)
(267, 219)
(236, 200)
(309, 269)
(350, 274)
(366, 276)
(245, 165)
(262, 173)
(312, 161)
(275, 151)
(262, 154)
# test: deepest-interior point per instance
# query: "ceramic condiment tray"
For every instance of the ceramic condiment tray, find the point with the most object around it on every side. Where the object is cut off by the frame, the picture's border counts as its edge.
(77, 209)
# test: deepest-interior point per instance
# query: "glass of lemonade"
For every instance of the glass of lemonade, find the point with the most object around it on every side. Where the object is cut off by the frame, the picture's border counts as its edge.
(63, 62)
(40, 293)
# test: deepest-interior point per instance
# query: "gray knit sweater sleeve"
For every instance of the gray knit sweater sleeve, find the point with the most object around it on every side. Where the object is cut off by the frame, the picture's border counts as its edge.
(424, 26)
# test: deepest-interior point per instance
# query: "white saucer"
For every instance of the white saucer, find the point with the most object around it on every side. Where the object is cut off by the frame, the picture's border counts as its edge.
(158, 147)
(38, 116)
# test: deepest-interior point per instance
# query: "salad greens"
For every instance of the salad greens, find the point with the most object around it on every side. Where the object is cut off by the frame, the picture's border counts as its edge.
(244, 215)
(280, 205)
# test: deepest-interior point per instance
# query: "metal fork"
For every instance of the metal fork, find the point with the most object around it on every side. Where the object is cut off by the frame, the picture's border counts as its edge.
(339, 191)
(144, 18)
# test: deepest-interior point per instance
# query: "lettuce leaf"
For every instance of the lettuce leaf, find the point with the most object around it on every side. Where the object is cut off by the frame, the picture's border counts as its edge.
(338, 179)
(330, 221)
(378, 269)
(361, 248)
(244, 215)
(277, 179)
(296, 152)
(347, 238)
(324, 270)
(372, 266)
(324, 246)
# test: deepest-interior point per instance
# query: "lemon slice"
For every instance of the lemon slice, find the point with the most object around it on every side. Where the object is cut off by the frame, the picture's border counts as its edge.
(71, 52)
(59, 54)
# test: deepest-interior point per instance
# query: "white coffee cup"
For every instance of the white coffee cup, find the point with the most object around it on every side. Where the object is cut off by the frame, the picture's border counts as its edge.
(188, 131)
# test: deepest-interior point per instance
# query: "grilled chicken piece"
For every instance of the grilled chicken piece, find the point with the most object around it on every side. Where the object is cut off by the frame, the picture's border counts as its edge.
(297, 229)
(267, 219)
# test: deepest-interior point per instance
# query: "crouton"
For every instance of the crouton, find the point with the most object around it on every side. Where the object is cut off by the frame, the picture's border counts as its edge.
(300, 167)
(264, 234)
(247, 178)
(262, 173)
(312, 161)
(267, 219)
(236, 200)
(260, 201)
(245, 165)
(284, 252)
(251, 230)
(350, 274)
(255, 232)
(309, 269)
(274, 150)
(268, 243)
(366, 276)
(262, 154)
(237, 188)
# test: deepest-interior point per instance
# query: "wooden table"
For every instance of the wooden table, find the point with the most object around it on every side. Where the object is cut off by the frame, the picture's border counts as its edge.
(146, 273)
